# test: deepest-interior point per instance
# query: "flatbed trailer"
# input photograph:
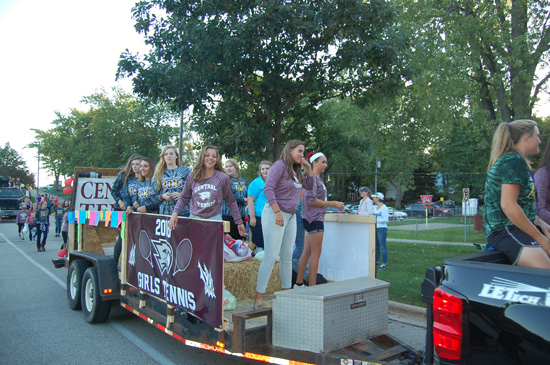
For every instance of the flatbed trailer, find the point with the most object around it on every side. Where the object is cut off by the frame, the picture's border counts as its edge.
(173, 280)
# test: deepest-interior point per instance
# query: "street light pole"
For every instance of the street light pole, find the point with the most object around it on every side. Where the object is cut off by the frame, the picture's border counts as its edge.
(38, 173)
(378, 165)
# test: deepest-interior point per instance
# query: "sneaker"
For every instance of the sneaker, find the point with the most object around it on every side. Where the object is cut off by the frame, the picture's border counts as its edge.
(299, 286)
(383, 266)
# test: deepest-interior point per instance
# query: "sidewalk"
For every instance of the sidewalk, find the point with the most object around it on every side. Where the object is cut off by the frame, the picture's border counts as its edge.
(430, 242)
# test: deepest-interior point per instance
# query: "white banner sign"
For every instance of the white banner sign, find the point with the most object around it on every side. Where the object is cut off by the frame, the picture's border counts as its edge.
(94, 194)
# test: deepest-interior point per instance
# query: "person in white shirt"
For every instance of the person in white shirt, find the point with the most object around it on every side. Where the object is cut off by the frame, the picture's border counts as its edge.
(365, 205)
(382, 217)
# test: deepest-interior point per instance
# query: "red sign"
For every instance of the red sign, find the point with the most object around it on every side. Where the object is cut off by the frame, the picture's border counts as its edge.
(426, 200)
(184, 267)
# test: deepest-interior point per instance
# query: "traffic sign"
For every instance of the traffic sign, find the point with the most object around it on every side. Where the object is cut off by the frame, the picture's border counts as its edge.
(465, 194)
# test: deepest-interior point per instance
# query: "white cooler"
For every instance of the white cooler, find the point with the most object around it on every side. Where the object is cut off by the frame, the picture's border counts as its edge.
(330, 316)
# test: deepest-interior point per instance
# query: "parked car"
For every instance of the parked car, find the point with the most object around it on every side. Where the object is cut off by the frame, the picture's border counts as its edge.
(442, 211)
(397, 214)
(353, 208)
(417, 210)
(453, 208)
(332, 210)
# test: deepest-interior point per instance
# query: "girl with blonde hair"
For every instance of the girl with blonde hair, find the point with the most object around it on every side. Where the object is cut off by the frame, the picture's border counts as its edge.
(146, 201)
(207, 189)
(169, 179)
(510, 221)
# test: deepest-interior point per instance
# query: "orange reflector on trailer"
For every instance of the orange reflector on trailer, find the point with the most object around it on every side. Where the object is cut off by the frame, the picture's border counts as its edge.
(107, 291)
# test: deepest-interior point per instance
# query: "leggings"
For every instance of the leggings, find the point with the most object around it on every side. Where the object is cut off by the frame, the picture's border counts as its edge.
(277, 241)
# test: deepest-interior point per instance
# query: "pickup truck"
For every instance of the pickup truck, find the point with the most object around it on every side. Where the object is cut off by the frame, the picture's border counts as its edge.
(482, 310)
(10, 198)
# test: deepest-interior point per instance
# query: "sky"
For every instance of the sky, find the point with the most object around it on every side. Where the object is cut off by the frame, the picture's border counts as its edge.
(53, 54)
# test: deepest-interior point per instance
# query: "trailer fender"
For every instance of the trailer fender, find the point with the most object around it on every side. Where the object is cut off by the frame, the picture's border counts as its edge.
(107, 272)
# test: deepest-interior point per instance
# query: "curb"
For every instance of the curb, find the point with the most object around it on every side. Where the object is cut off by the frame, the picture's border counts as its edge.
(411, 311)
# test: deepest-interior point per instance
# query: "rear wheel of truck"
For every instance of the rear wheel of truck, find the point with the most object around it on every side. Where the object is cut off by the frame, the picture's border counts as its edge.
(95, 310)
(74, 283)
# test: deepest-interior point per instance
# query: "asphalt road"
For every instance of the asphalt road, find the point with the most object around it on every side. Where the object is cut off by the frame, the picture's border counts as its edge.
(39, 328)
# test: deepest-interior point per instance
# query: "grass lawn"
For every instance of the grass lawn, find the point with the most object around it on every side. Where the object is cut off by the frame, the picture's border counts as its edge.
(454, 234)
(407, 263)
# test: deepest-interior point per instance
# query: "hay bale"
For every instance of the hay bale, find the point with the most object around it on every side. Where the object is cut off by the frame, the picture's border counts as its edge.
(240, 278)
(95, 238)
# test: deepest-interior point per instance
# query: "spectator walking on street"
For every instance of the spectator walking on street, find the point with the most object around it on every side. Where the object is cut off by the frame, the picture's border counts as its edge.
(42, 221)
(21, 219)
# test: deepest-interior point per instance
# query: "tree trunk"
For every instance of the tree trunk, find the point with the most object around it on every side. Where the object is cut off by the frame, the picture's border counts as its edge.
(520, 75)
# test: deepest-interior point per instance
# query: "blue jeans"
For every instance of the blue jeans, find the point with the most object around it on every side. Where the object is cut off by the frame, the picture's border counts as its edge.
(299, 244)
(257, 234)
(381, 235)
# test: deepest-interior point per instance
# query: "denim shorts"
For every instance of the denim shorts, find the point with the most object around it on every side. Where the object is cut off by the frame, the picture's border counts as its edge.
(313, 227)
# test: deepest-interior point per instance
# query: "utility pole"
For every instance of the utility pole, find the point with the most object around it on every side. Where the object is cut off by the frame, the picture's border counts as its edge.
(38, 172)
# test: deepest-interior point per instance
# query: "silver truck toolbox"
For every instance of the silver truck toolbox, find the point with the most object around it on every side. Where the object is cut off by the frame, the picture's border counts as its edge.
(327, 317)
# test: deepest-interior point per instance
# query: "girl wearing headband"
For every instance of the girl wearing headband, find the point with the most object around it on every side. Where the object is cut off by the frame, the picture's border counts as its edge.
(510, 221)
(314, 207)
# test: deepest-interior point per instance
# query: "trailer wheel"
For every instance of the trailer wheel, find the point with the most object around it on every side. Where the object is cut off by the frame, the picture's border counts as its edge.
(74, 283)
(95, 310)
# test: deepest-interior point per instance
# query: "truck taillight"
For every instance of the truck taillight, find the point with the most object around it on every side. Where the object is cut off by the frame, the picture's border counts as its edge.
(447, 326)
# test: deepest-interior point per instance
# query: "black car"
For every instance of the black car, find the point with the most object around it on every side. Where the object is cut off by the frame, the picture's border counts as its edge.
(417, 210)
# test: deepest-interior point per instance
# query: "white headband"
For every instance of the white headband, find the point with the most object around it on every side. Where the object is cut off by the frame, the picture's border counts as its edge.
(315, 156)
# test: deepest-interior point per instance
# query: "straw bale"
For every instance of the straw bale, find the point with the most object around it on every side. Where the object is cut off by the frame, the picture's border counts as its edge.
(240, 278)
(97, 237)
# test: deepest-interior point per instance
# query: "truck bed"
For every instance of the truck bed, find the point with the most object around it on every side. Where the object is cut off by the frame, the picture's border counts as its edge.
(500, 312)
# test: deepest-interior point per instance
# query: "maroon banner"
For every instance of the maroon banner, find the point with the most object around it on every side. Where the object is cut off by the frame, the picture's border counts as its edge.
(184, 267)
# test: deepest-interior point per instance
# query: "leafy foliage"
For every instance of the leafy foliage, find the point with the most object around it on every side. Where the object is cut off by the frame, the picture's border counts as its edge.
(12, 165)
(107, 134)
(256, 71)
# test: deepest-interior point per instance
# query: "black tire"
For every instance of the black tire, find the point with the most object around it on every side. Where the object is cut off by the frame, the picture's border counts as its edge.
(439, 214)
(74, 283)
(95, 310)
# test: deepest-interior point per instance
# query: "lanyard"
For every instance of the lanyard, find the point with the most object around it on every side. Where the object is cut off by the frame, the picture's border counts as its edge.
(536, 195)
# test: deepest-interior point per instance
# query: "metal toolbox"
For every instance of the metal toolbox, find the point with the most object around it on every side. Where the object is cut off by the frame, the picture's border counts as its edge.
(330, 316)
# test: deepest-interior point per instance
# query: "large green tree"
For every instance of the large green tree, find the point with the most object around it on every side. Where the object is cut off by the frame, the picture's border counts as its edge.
(12, 165)
(105, 134)
(256, 71)
(507, 48)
